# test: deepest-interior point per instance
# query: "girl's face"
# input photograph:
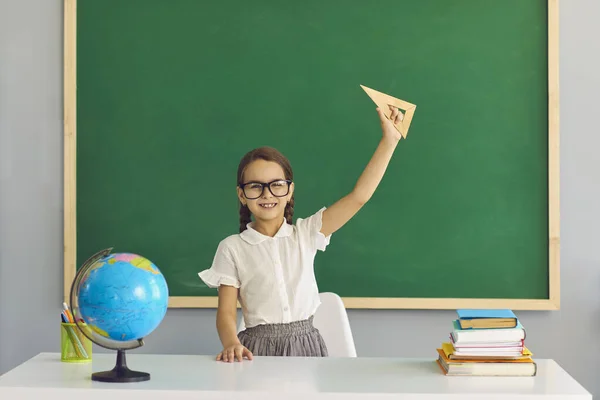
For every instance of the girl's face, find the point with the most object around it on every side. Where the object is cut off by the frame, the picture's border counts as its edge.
(270, 204)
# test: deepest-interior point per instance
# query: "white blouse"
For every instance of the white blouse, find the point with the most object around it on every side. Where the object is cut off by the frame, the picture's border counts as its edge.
(275, 275)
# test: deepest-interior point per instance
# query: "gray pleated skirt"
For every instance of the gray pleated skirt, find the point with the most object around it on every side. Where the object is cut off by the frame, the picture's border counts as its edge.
(294, 339)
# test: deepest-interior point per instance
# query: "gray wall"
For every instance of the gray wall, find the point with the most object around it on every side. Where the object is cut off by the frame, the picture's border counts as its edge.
(31, 210)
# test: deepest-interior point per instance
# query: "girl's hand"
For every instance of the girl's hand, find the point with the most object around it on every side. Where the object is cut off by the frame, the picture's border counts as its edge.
(389, 130)
(233, 353)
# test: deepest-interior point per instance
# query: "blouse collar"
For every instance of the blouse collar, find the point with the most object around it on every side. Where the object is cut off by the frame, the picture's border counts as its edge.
(253, 236)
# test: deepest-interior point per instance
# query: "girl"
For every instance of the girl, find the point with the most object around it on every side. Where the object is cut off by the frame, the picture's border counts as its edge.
(268, 266)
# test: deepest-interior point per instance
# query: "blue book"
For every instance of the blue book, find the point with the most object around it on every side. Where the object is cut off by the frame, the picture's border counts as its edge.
(486, 318)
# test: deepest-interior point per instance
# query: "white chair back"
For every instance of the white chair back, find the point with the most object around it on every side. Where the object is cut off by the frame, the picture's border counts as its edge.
(331, 319)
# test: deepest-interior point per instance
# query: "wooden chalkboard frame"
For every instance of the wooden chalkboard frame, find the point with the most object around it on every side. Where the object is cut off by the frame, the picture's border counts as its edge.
(552, 303)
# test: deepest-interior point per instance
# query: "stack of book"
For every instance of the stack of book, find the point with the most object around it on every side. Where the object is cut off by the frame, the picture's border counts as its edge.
(486, 343)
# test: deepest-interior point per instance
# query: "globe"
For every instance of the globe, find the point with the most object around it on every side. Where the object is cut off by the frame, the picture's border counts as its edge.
(117, 299)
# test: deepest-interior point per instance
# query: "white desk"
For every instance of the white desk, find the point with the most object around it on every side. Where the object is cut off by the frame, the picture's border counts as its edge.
(200, 377)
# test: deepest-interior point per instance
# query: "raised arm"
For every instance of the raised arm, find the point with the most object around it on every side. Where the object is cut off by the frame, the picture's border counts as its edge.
(343, 210)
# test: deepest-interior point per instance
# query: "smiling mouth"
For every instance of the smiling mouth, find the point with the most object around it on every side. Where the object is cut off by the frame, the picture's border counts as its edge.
(268, 205)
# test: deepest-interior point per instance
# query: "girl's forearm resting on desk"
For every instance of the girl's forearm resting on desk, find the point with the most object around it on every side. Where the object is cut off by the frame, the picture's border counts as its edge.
(227, 316)
(226, 326)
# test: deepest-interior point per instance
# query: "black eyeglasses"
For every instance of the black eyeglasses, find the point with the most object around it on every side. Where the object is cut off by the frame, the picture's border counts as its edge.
(278, 188)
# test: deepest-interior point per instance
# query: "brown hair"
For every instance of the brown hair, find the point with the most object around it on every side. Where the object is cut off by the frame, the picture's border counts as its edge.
(267, 154)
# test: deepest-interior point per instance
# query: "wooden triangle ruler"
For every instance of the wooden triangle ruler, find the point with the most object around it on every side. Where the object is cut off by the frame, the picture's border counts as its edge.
(383, 100)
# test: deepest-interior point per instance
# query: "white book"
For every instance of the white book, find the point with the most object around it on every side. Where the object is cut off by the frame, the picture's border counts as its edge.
(487, 335)
(479, 345)
(488, 350)
(491, 354)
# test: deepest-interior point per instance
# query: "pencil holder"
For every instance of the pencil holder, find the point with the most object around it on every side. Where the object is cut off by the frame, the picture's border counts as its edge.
(75, 347)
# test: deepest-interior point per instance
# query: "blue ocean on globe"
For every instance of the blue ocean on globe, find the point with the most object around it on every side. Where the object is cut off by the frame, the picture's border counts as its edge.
(123, 297)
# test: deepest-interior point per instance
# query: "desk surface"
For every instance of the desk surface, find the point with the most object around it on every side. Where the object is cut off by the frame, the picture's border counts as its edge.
(195, 377)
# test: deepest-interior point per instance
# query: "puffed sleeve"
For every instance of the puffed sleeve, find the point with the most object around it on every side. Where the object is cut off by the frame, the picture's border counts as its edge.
(309, 231)
(223, 270)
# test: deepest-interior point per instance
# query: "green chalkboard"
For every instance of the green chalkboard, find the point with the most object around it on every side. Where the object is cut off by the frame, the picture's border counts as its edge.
(171, 94)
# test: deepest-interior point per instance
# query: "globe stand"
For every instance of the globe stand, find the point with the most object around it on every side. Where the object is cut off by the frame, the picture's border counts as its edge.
(120, 373)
